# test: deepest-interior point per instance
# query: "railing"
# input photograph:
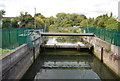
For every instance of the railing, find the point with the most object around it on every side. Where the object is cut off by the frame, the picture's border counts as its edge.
(12, 38)
(111, 36)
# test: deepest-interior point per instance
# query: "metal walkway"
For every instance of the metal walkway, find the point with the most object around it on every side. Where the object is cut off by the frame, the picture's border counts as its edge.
(67, 34)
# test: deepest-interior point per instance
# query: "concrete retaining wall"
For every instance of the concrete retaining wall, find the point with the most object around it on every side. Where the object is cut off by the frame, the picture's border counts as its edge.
(16, 62)
(109, 54)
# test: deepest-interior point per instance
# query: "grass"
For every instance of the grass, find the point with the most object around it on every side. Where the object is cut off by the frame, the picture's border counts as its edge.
(4, 51)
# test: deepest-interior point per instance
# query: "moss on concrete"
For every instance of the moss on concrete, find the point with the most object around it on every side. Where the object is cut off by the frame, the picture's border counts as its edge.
(4, 51)
(106, 66)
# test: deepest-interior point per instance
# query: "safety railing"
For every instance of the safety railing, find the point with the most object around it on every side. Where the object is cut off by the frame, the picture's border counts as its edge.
(12, 38)
(111, 36)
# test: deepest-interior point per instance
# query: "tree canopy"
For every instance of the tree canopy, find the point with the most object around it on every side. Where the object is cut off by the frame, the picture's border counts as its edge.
(61, 20)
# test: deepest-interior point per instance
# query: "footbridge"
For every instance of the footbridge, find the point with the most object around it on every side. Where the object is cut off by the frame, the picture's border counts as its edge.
(67, 34)
(64, 34)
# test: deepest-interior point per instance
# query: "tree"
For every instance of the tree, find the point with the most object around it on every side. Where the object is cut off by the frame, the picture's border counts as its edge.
(40, 20)
(111, 23)
(100, 21)
(75, 18)
(60, 18)
(14, 22)
(6, 22)
(83, 23)
(118, 25)
(91, 22)
(2, 12)
(52, 20)
(26, 20)
(64, 19)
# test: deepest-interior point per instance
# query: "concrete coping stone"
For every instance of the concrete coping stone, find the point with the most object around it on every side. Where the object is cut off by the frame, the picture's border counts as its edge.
(12, 51)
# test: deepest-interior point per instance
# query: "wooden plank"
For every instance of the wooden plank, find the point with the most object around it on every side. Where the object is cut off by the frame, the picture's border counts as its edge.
(67, 34)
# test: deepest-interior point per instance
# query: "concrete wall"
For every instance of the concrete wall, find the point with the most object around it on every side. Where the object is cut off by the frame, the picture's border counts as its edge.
(16, 62)
(110, 54)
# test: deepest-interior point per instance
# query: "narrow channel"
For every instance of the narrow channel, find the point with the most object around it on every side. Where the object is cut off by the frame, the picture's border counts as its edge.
(67, 63)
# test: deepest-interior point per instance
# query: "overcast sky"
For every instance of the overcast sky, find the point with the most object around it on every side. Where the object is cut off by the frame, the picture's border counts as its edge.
(91, 8)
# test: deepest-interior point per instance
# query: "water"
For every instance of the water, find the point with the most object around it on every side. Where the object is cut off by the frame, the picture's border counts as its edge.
(68, 67)
(61, 40)
(67, 64)
(64, 41)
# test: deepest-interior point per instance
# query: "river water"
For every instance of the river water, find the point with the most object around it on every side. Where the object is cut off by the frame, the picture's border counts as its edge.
(59, 64)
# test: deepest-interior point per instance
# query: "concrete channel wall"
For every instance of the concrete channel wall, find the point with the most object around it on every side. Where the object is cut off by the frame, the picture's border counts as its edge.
(107, 53)
(17, 62)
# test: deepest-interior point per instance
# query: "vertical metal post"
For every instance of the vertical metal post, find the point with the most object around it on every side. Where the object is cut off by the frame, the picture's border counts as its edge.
(9, 35)
(119, 12)
(102, 54)
(17, 34)
(35, 18)
(0, 20)
(33, 54)
(104, 34)
(45, 26)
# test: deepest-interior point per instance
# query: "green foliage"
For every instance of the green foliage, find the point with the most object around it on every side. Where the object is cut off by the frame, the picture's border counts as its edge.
(83, 23)
(40, 20)
(6, 22)
(111, 23)
(118, 25)
(2, 12)
(105, 21)
(108, 49)
(68, 20)
(4, 51)
(64, 30)
(26, 20)
(61, 20)
(14, 22)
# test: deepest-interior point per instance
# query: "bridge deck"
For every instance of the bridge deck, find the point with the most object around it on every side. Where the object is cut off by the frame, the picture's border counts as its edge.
(67, 34)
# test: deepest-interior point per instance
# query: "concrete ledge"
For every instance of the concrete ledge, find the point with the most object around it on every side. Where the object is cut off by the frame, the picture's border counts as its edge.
(13, 57)
(16, 62)
(115, 49)
(110, 53)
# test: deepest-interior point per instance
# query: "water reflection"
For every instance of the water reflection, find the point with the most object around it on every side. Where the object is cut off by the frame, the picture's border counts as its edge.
(68, 67)
(70, 39)
(64, 40)
(54, 66)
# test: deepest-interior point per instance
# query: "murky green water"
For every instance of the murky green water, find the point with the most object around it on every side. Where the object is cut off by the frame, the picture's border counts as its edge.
(68, 67)
(68, 64)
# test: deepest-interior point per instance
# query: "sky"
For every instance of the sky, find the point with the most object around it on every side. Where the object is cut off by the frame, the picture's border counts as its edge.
(91, 8)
